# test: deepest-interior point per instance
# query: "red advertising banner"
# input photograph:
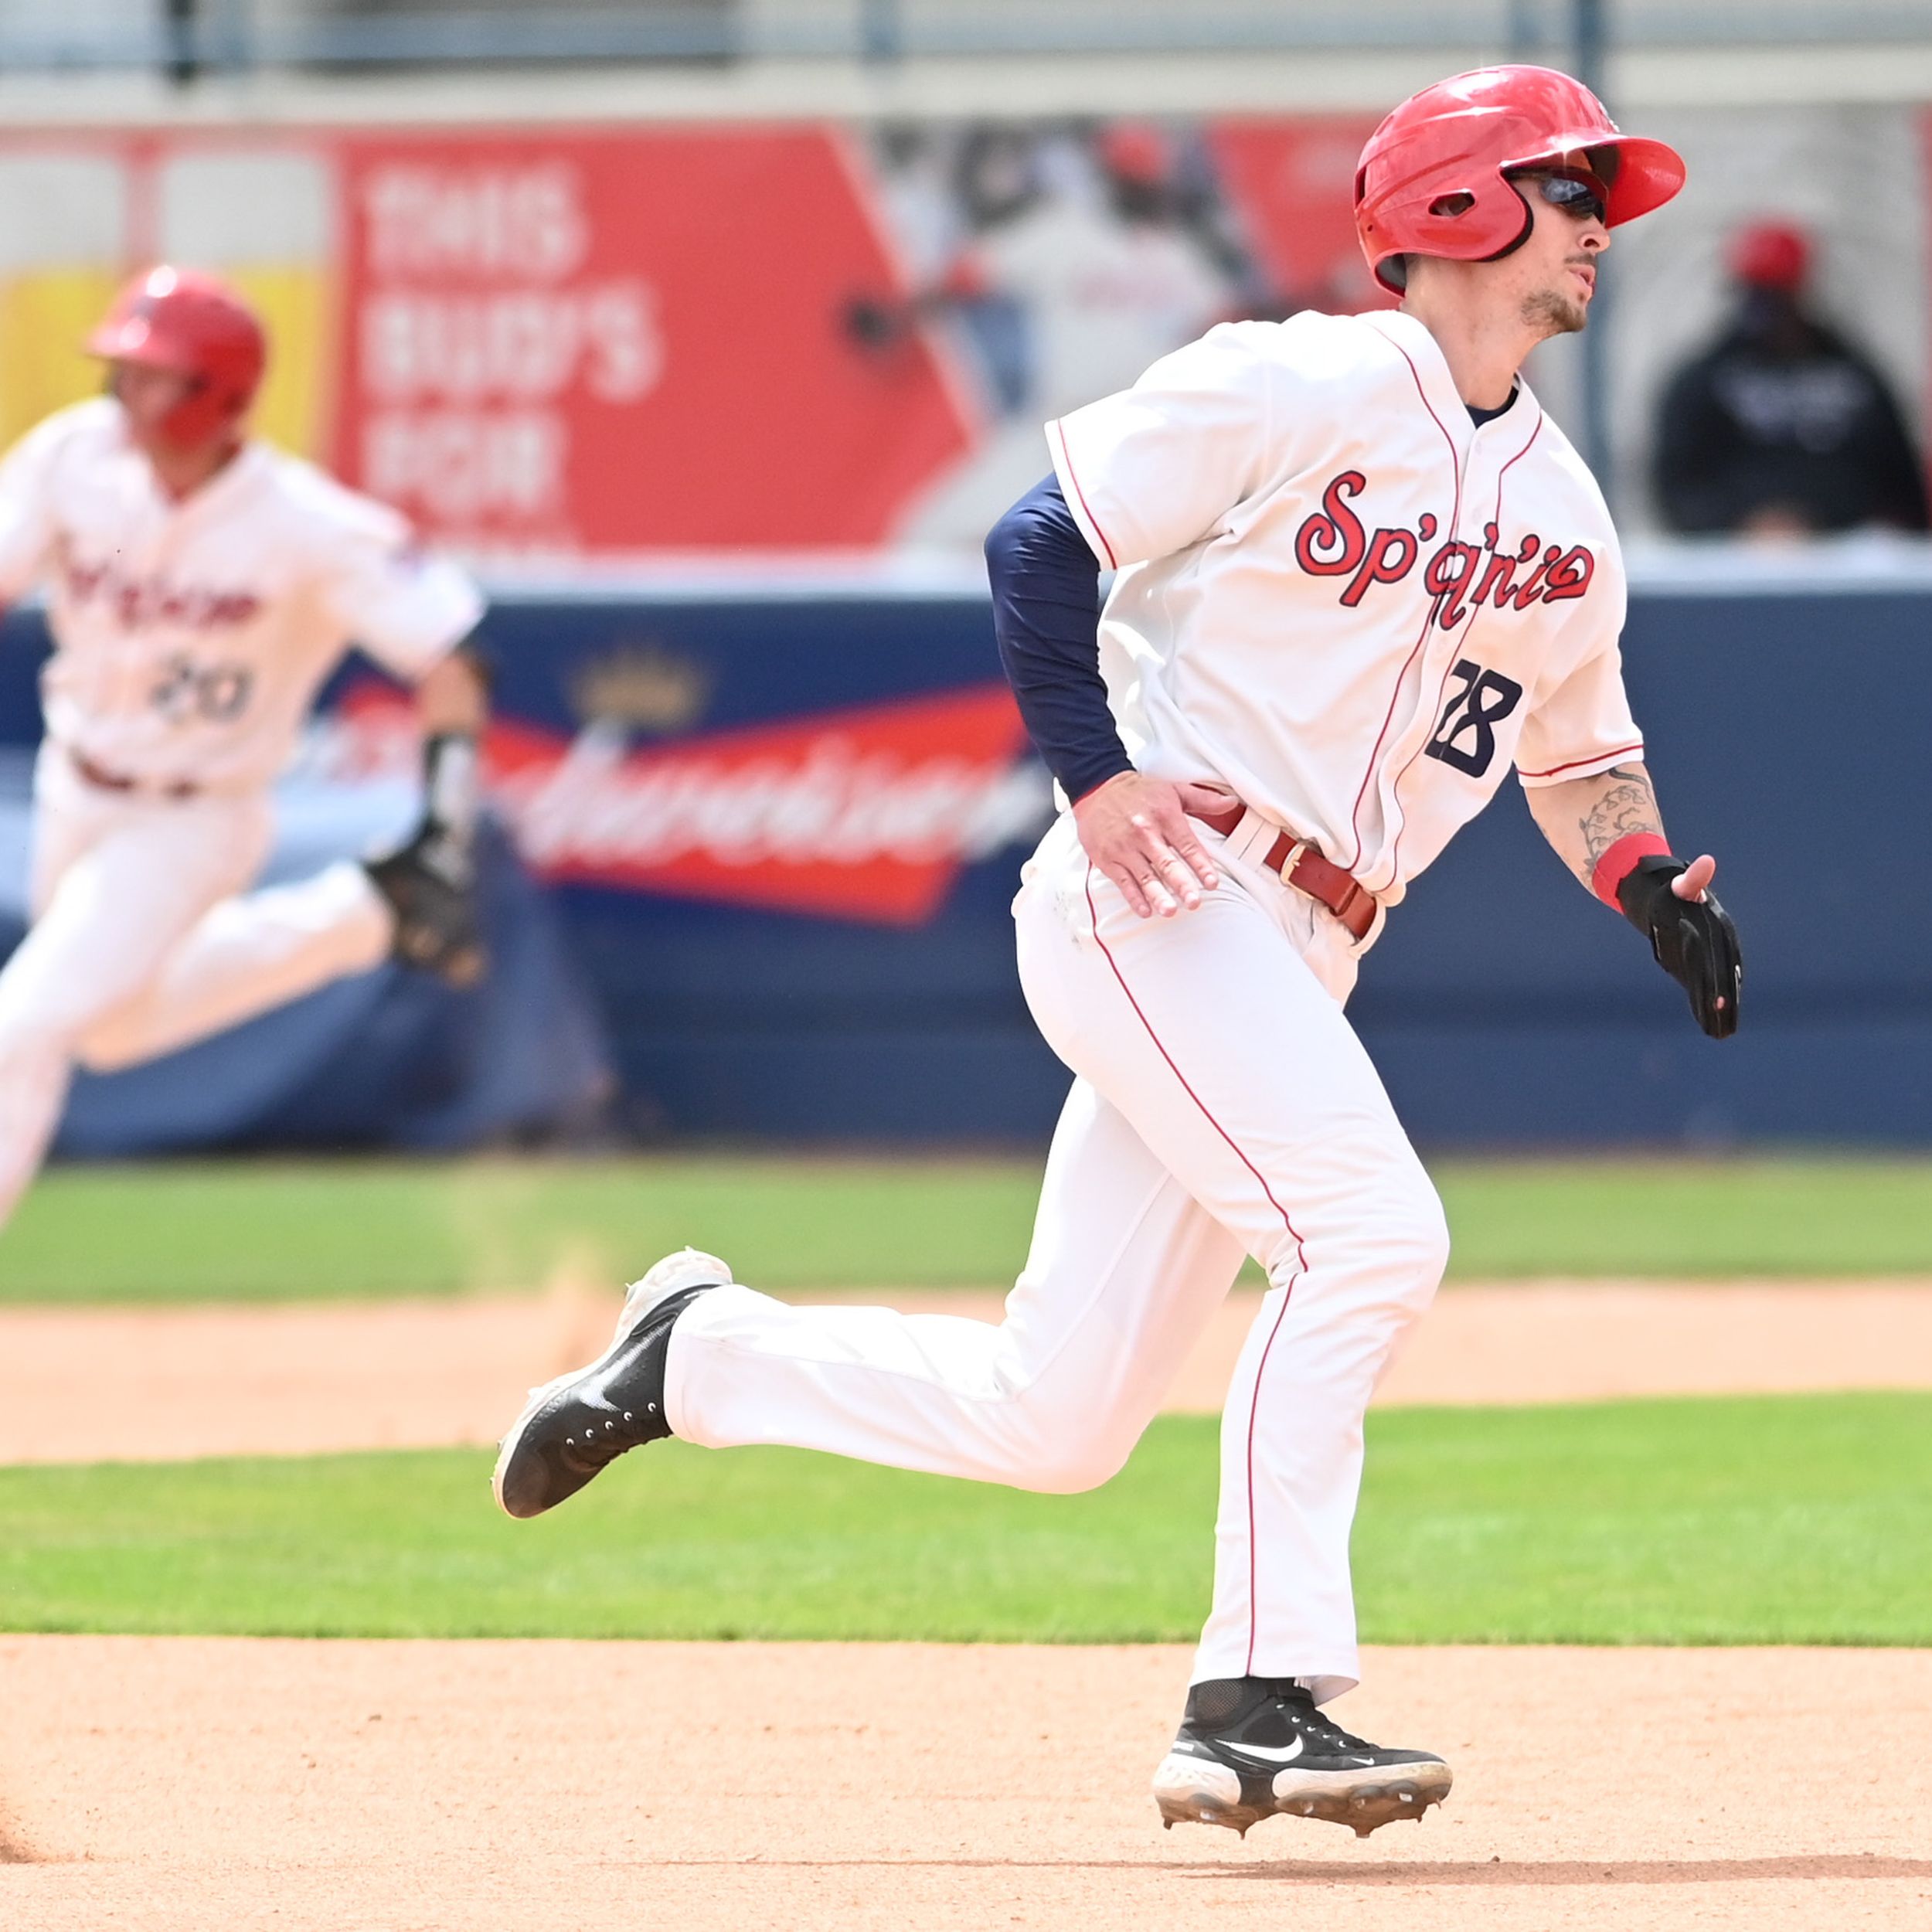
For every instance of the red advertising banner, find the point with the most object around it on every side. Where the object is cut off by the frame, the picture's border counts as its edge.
(622, 341)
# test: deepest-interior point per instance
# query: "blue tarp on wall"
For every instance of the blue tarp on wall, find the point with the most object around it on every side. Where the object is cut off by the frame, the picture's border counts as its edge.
(1504, 1006)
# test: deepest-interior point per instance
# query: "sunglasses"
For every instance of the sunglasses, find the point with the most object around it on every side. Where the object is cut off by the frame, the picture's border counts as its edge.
(1581, 197)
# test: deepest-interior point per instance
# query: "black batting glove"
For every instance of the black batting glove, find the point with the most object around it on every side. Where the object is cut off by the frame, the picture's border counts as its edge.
(430, 879)
(1692, 940)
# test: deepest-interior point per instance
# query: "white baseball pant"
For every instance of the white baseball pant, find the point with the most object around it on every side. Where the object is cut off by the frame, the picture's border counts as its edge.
(1222, 1106)
(143, 941)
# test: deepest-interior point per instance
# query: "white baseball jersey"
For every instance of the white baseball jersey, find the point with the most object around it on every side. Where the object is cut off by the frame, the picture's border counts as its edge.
(1339, 597)
(190, 637)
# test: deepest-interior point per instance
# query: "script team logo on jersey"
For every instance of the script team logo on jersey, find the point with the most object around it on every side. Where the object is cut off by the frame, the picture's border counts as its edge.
(1460, 577)
(139, 603)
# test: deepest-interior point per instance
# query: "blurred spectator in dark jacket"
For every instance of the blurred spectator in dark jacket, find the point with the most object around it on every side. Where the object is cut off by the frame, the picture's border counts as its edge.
(1781, 427)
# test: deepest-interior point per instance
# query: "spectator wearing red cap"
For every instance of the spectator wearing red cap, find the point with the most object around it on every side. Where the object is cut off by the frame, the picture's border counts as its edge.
(1782, 428)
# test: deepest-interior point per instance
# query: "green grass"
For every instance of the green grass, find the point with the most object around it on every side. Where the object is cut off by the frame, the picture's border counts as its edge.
(1792, 1215)
(1793, 1519)
(196, 1230)
(277, 1230)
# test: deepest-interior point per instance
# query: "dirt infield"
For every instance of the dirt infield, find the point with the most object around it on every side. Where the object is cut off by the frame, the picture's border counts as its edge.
(216, 1380)
(223, 1785)
(189, 1785)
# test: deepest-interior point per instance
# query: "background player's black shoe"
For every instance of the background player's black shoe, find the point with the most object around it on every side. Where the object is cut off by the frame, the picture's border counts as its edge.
(573, 1429)
(1249, 1747)
(430, 884)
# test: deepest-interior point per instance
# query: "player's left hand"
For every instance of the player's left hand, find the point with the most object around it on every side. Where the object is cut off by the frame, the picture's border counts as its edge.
(1690, 934)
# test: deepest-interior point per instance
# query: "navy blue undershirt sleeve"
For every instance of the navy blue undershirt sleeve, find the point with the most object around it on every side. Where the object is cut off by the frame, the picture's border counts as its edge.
(1046, 618)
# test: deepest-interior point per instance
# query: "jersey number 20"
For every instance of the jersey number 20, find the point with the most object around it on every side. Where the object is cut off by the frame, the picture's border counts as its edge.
(218, 692)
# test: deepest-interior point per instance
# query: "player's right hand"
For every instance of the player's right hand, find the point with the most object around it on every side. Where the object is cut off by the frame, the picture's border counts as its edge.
(1137, 831)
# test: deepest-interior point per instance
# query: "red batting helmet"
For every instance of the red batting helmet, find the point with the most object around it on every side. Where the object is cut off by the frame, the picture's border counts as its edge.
(1431, 180)
(193, 326)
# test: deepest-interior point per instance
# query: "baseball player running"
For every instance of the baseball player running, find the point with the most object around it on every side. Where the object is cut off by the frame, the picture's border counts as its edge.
(1359, 575)
(200, 586)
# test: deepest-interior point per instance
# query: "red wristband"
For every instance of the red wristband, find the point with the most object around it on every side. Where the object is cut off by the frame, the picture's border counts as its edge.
(1620, 862)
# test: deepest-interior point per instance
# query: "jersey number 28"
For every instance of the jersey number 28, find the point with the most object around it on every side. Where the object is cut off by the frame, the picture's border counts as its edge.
(1466, 738)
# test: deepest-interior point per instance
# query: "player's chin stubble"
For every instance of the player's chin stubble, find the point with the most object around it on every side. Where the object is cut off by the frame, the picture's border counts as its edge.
(1551, 312)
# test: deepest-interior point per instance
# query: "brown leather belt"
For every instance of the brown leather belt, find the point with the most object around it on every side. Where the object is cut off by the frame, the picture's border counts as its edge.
(104, 779)
(1304, 868)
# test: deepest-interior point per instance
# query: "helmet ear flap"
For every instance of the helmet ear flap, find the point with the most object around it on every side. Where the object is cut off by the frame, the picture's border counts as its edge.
(1522, 234)
(1485, 209)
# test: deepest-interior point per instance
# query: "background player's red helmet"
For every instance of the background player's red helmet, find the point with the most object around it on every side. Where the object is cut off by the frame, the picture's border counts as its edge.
(1431, 181)
(193, 326)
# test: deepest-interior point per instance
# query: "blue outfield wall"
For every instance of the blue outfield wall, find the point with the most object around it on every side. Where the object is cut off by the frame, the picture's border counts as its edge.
(1504, 1007)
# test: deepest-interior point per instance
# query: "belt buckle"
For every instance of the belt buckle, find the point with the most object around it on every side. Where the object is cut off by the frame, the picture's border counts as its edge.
(1285, 872)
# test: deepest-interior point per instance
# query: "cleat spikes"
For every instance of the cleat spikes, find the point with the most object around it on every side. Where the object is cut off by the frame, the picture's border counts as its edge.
(1248, 1748)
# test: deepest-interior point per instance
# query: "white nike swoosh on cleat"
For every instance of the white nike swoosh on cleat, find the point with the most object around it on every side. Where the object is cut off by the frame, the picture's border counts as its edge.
(1280, 1753)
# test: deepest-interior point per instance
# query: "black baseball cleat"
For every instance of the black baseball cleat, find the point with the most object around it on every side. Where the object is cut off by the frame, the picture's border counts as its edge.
(1251, 1747)
(433, 898)
(575, 1426)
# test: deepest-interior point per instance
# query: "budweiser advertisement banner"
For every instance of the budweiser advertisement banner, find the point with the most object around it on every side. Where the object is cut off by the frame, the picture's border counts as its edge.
(547, 343)
(860, 812)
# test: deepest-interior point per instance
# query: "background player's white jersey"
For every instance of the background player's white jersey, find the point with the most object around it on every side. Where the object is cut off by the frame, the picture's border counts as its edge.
(190, 637)
(1336, 595)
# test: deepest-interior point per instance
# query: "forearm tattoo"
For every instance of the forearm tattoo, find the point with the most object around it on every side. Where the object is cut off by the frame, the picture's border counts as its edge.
(1628, 806)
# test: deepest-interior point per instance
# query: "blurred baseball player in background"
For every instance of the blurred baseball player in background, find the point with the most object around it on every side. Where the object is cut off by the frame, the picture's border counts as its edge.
(200, 586)
(1360, 576)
